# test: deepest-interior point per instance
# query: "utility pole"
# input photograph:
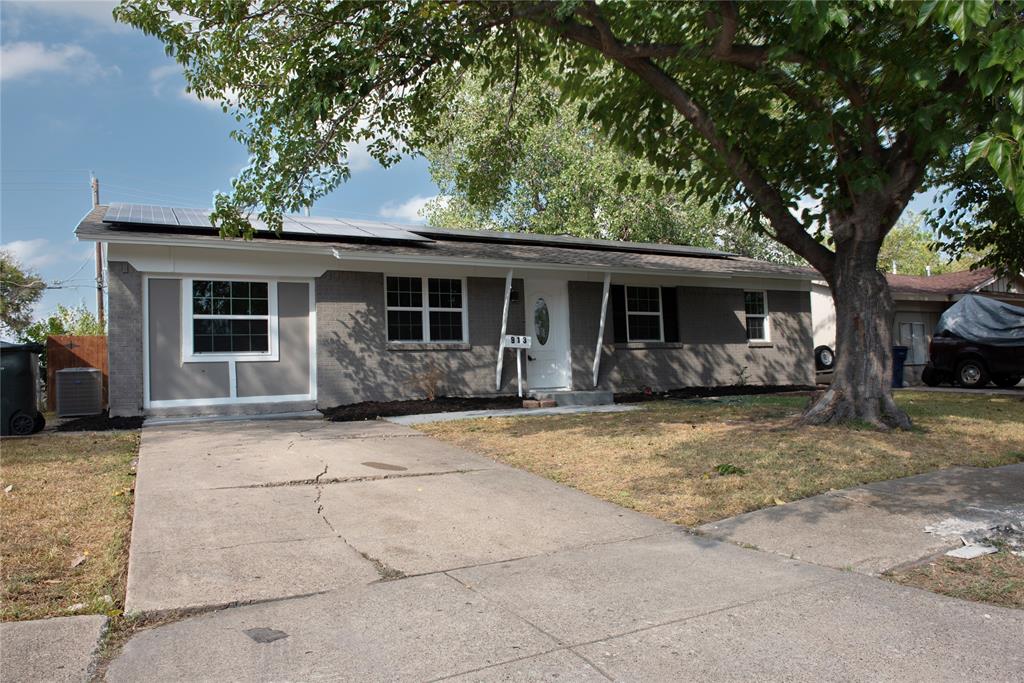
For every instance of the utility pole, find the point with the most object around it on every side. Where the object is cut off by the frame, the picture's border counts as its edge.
(100, 312)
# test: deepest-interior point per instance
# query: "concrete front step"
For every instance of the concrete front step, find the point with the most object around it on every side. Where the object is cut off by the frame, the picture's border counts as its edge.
(576, 398)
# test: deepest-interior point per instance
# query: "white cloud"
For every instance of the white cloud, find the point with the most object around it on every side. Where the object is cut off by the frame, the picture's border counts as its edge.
(158, 76)
(410, 210)
(359, 158)
(96, 13)
(40, 253)
(170, 78)
(24, 59)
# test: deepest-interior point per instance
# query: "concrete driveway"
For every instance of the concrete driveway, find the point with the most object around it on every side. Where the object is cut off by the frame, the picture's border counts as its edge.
(371, 552)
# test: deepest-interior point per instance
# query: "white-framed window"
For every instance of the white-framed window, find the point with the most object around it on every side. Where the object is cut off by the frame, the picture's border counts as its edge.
(229, 319)
(912, 335)
(643, 314)
(756, 307)
(425, 309)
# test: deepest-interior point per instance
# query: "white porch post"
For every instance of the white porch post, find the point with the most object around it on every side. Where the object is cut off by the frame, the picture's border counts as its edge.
(504, 327)
(600, 330)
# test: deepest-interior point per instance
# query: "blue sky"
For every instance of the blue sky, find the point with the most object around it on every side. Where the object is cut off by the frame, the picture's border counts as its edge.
(80, 93)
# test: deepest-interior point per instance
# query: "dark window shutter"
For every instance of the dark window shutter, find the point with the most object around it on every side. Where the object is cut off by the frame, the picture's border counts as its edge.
(618, 297)
(670, 313)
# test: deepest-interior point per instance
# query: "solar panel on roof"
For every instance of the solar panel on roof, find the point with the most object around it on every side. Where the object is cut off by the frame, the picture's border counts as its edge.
(193, 218)
(332, 227)
(292, 226)
(307, 226)
(569, 242)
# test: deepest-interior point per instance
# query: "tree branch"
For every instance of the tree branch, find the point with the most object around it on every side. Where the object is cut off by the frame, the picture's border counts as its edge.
(600, 37)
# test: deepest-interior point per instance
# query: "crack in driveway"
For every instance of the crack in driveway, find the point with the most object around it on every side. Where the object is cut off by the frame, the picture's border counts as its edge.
(385, 572)
(319, 480)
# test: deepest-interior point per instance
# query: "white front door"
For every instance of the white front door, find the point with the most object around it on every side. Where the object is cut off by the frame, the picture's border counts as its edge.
(547, 322)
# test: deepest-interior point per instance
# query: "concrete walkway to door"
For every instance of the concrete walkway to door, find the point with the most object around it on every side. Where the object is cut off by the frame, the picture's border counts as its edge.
(372, 552)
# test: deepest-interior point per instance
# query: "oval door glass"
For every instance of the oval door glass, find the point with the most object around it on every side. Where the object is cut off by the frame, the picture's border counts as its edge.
(541, 321)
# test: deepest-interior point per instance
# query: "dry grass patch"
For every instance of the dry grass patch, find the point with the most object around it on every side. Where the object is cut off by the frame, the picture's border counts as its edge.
(71, 497)
(664, 459)
(996, 579)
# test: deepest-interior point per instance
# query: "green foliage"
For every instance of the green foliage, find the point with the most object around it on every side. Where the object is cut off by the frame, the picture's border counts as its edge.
(915, 249)
(857, 105)
(20, 289)
(725, 469)
(980, 217)
(77, 320)
(517, 159)
(990, 56)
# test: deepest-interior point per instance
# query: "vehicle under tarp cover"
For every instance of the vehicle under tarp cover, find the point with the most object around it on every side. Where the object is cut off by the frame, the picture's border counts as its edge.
(984, 321)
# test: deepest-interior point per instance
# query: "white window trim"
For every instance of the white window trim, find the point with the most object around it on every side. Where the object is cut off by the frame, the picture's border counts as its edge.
(660, 314)
(426, 309)
(764, 316)
(188, 353)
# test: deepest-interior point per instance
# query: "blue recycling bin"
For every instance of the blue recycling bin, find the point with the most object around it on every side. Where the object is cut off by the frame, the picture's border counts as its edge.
(899, 359)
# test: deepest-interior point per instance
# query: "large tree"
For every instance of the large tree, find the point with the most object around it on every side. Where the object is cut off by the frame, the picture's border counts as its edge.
(20, 290)
(535, 167)
(852, 107)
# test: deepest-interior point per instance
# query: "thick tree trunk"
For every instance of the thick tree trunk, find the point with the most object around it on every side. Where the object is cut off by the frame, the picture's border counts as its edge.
(861, 384)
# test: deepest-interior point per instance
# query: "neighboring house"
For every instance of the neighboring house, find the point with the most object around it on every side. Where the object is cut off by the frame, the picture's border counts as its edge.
(919, 301)
(334, 312)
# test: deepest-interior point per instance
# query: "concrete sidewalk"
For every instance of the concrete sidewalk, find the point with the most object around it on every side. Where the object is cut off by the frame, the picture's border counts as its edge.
(57, 650)
(371, 552)
(877, 527)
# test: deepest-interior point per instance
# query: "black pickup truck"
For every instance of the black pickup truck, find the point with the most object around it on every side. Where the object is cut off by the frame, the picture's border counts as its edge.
(977, 340)
(969, 364)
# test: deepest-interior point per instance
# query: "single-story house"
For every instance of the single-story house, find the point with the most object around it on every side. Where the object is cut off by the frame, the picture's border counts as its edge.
(919, 300)
(333, 312)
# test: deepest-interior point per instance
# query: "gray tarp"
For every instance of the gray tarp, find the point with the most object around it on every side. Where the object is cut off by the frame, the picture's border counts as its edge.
(985, 321)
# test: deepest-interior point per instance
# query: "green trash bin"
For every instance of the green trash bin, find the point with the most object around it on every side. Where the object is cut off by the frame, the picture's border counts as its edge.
(19, 389)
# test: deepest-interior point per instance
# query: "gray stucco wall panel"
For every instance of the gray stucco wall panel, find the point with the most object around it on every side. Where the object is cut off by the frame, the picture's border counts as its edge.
(124, 338)
(355, 362)
(169, 378)
(713, 349)
(289, 375)
(711, 316)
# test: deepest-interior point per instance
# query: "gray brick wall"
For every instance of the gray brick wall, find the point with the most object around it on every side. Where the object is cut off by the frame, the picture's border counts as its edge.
(124, 338)
(713, 349)
(355, 362)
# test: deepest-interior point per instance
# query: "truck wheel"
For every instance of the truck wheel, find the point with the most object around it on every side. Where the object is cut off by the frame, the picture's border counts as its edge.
(824, 359)
(931, 377)
(1007, 381)
(971, 373)
(22, 424)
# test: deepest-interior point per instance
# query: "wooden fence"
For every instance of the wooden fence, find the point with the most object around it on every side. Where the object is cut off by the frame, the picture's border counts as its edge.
(74, 351)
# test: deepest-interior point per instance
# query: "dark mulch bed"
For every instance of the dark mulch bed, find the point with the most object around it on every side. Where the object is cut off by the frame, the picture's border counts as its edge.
(99, 423)
(705, 392)
(371, 410)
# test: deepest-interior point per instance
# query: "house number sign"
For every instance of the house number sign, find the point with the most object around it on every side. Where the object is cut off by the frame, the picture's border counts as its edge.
(517, 341)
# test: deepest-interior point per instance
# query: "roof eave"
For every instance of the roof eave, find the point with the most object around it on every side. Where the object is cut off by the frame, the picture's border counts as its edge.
(354, 255)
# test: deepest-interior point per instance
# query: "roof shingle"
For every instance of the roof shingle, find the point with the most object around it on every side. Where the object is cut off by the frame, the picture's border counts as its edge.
(960, 282)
